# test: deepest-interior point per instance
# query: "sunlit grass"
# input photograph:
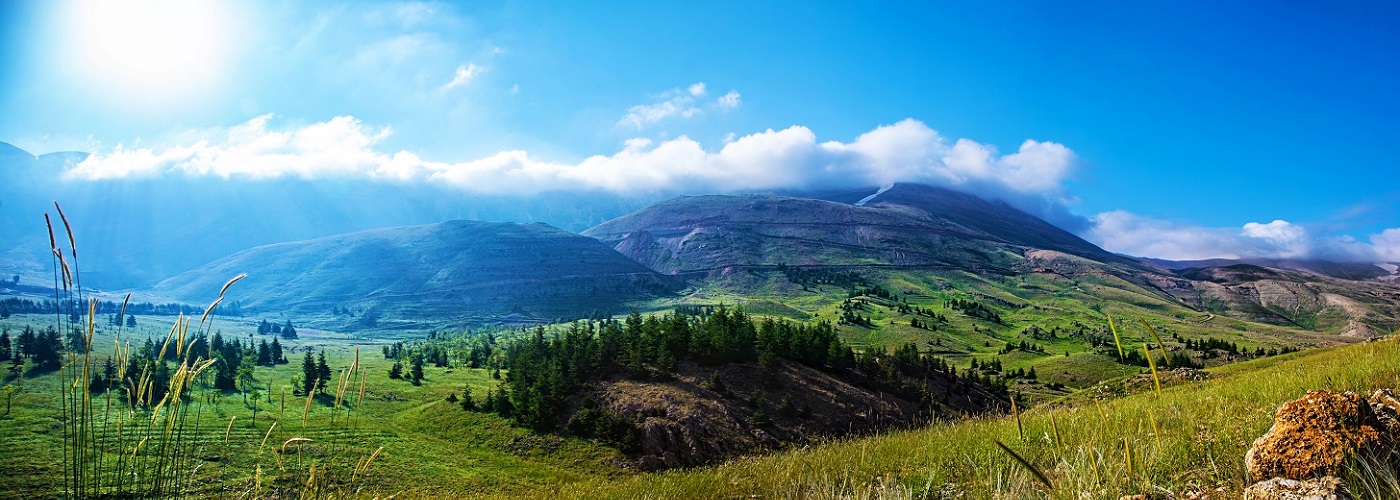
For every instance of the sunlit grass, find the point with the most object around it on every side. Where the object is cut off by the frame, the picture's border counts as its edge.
(1198, 443)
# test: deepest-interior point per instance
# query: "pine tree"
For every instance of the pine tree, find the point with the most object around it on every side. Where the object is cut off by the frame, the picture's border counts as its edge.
(245, 374)
(416, 369)
(5, 345)
(467, 403)
(396, 371)
(309, 374)
(288, 332)
(278, 358)
(323, 371)
(264, 354)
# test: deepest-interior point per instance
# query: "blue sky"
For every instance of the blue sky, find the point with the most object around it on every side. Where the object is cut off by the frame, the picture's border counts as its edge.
(1176, 130)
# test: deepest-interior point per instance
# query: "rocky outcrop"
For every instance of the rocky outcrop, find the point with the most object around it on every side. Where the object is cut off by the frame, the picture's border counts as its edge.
(1324, 488)
(702, 414)
(1313, 436)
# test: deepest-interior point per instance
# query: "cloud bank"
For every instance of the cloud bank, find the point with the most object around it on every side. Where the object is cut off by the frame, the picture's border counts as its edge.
(791, 158)
(1131, 234)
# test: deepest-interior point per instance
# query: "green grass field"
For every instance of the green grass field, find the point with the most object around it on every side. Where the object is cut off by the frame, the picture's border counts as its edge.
(430, 447)
(1193, 437)
(1087, 449)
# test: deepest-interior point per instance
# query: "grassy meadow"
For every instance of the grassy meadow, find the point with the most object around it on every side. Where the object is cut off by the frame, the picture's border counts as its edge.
(1191, 438)
(395, 438)
(430, 447)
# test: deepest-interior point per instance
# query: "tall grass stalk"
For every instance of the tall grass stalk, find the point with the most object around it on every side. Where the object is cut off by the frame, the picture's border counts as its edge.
(1153, 331)
(1156, 380)
(97, 458)
(1117, 341)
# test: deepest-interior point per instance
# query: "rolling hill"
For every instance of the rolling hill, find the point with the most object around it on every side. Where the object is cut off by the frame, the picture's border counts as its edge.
(456, 271)
(136, 231)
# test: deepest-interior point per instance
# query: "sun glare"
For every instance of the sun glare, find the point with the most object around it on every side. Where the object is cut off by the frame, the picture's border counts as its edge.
(149, 50)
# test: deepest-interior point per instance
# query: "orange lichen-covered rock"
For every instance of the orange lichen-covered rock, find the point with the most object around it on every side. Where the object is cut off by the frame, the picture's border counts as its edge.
(1314, 435)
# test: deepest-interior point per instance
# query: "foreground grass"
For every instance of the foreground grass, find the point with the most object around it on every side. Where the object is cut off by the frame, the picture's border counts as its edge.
(430, 448)
(1087, 450)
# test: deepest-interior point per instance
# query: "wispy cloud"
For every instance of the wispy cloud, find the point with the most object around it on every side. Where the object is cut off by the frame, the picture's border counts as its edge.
(465, 74)
(729, 101)
(677, 103)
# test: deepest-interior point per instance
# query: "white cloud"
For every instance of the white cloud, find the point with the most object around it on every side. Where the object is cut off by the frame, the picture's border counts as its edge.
(343, 147)
(670, 103)
(465, 74)
(1127, 233)
(678, 103)
(729, 101)
(1387, 244)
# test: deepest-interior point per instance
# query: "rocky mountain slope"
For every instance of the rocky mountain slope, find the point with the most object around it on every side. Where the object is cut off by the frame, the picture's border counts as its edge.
(685, 421)
(452, 271)
(921, 230)
(906, 226)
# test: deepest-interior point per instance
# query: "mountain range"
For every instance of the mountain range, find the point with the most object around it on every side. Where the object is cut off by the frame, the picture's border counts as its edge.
(341, 246)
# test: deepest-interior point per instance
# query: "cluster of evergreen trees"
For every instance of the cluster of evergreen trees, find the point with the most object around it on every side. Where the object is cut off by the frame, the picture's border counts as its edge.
(545, 370)
(1022, 346)
(286, 331)
(975, 309)
(234, 368)
(850, 313)
(15, 305)
(810, 276)
(315, 374)
(40, 350)
(1209, 344)
(907, 372)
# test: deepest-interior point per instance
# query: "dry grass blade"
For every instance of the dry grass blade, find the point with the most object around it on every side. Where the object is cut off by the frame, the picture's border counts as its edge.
(363, 466)
(1116, 340)
(291, 441)
(309, 396)
(53, 243)
(265, 436)
(229, 428)
(67, 227)
(230, 283)
(1020, 430)
(1034, 471)
(1160, 346)
(168, 336)
(1156, 381)
(209, 310)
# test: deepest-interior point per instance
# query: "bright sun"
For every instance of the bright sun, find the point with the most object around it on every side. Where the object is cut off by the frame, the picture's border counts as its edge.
(150, 50)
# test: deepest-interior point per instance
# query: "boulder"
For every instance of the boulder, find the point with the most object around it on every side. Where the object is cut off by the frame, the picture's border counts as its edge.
(1324, 488)
(1314, 435)
(1386, 406)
